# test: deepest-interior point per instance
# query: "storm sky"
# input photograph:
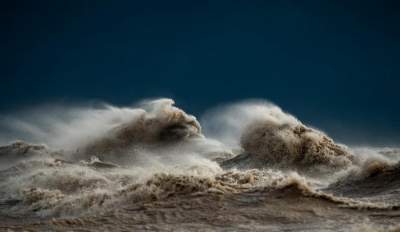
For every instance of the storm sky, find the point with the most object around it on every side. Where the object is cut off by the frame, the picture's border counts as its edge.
(333, 64)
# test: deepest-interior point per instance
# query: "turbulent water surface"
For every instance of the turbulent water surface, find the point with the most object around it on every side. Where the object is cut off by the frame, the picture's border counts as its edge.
(246, 167)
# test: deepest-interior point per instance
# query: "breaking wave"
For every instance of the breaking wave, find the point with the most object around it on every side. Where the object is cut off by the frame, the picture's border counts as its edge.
(272, 137)
(88, 161)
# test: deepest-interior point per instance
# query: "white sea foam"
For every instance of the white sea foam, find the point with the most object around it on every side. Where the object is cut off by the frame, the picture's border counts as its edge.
(97, 158)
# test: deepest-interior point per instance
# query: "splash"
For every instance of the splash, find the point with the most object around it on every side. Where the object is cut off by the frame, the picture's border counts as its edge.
(160, 123)
(271, 137)
(83, 162)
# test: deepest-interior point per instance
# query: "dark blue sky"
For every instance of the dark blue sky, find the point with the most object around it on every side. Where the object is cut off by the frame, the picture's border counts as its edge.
(333, 64)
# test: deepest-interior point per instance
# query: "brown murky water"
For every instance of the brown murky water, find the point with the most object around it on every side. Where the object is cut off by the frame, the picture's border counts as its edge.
(156, 171)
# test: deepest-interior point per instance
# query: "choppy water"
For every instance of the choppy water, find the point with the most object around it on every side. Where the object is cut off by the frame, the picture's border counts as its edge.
(252, 167)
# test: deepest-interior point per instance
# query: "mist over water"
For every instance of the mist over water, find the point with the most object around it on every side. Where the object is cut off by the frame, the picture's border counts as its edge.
(249, 158)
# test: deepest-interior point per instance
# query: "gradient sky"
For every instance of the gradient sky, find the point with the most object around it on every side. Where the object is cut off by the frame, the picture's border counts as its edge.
(333, 64)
